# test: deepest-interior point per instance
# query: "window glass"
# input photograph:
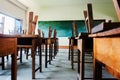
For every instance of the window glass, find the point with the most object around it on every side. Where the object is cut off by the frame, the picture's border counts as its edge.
(2, 23)
(18, 26)
(10, 25)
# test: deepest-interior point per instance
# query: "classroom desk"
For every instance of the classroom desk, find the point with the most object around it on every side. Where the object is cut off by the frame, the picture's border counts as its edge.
(51, 43)
(19, 40)
(34, 41)
(106, 47)
(85, 44)
(75, 43)
(8, 46)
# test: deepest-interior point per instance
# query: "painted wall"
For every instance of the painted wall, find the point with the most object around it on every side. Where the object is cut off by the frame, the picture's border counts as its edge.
(14, 9)
(104, 11)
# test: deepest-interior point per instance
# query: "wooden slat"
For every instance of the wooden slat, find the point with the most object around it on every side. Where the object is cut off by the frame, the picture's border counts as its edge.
(30, 22)
(117, 8)
(105, 26)
(75, 29)
(112, 32)
(90, 17)
(86, 20)
(34, 24)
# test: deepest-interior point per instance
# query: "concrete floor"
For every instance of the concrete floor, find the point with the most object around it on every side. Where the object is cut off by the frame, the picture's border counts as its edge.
(60, 69)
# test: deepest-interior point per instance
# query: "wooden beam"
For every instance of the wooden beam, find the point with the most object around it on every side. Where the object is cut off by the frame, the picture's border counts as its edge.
(30, 22)
(117, 8)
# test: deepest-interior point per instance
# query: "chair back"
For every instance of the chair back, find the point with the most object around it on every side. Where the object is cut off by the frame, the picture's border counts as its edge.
(43, 35)
(117, 7)
(32, 23)
(39, 32)
(50, 32)
(55, 33)
(86, 21)
(75, 29)
(88, 15)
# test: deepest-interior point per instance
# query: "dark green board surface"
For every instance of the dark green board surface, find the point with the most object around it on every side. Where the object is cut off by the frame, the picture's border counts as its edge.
(64, 28)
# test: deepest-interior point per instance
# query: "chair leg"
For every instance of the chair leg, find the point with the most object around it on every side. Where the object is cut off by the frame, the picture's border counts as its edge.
(3, 63)
(69, 53)
(26, 51)
(7, 57)
(78, 61)
(50, 54)
(40, 58)
(72, 57)
(20, 55)
(45, 55)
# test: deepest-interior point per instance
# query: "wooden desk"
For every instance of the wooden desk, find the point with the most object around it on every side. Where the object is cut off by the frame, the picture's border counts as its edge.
(33, 41)
(75, 43)
(107, 52)
(8, 46)
(85, 44)
(49, 42)
(14, 41)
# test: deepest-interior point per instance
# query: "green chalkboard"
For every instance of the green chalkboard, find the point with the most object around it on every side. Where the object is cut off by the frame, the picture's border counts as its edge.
(64, 28)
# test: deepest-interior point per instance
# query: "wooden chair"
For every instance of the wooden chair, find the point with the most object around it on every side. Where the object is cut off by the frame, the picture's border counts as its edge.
(55, 43)
(85, 43)
(31, 31)
(47, 42)
(73, 46)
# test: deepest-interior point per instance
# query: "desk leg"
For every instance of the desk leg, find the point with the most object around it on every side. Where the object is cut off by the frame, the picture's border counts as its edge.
(14, 67)
(33, 63)
(82, 61)
(45, 55)
(50, 53)
(97, 70)
(69, 50)
(3, 63)
(78, 61)
(40, 58)
(54, 45)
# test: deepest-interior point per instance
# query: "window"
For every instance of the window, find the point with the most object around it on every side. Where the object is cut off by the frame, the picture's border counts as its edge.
(10, 25)
(2, 18)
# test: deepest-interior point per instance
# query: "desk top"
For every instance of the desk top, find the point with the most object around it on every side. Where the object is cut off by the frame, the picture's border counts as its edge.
(112, 33)
(104, 26)
(17, 36)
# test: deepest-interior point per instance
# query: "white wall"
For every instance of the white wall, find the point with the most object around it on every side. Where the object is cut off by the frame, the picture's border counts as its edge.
(14, 9)
(106, 11)
(71, 10)
(64, 41)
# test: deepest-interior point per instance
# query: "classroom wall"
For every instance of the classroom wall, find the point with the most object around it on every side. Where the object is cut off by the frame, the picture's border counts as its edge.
(14, 9)
(75, 12)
